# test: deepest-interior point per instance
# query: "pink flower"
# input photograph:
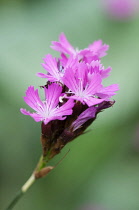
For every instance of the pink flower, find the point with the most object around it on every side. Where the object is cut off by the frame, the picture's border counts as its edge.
(85, 86)
(51, 66)
(121, 9)
(48, 109)
(56, 69)
(82, 85)
(74, 94)
(94, 50)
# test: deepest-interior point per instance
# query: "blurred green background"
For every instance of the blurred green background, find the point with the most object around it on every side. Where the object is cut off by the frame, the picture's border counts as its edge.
(102, 167)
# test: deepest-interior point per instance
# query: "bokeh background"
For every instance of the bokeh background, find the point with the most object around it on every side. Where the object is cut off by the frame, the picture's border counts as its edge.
(101, 171)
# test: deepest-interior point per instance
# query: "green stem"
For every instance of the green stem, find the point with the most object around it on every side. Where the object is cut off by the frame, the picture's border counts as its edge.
(41, 164)
(24, 188)
(15, 200)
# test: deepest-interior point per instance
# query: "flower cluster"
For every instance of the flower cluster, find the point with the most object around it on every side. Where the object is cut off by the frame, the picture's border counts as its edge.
(74, 93)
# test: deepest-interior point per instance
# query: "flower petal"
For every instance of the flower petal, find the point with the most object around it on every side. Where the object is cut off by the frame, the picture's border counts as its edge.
(84, 117)
(63, 45)
(32, 99)
(99, 48)
(108, 91)
(65, 109)
(90, 101)
(51, 66)
(70, 80)
(52, 94)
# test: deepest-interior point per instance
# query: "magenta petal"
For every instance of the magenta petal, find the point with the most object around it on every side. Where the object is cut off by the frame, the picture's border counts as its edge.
(105, 73)
(66, 109)
(99, 48)
(63, 45)
(47, 120)
(37, 117)
(32, 98)
(52, 95)
(97, 67)
(51, 66)
(87, 55)
(42, 75)
(64, 59)
(83, 117)
(47, 76)
(108, 91)
(70, 80)
(90, 101)
(24, 111)
(94, 84)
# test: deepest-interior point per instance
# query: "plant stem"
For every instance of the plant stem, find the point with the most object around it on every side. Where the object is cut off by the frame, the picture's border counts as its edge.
(24, 188)
(41, 164)
(14, 201)
(28, 184)
(40, 171)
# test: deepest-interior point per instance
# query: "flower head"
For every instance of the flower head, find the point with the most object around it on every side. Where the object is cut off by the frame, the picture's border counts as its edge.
(85, 86)
(74, 93)
(51, 66)
(56, 68)
(48, 109)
